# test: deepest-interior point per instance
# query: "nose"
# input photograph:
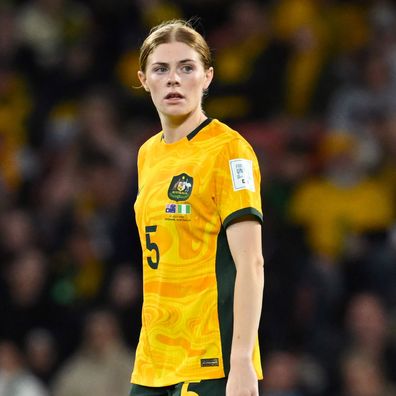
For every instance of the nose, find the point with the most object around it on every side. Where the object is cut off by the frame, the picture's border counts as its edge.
(173, 79)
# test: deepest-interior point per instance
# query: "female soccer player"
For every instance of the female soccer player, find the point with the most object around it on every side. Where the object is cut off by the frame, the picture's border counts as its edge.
(199, 217)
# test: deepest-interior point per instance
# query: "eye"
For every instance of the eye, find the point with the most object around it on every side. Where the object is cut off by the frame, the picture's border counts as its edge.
(160, 69)
(187, 68)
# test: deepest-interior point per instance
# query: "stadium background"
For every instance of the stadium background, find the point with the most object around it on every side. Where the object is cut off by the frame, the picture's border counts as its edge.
(311, 84)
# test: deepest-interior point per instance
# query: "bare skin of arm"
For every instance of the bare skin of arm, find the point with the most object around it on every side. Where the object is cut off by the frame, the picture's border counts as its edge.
(244, 239)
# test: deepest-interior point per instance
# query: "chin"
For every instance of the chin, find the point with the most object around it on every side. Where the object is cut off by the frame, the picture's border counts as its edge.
(177, 113)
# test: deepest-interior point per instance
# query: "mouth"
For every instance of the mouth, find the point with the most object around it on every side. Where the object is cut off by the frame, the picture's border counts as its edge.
(173, 96)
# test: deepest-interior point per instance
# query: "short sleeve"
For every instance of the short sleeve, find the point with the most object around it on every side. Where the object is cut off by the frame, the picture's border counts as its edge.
(238, 182)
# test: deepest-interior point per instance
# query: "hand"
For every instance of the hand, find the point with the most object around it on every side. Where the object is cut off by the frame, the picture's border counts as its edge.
(242, 380)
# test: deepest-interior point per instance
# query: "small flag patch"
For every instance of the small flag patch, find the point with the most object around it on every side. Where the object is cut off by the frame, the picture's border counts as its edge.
(184, 208)
(178, 208)
(170, 208)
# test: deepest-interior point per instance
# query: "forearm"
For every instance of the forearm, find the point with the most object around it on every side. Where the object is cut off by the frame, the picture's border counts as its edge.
(249, 286)
(244, 239)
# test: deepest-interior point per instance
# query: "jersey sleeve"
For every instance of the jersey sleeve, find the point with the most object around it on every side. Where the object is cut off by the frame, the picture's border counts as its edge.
(237, 191)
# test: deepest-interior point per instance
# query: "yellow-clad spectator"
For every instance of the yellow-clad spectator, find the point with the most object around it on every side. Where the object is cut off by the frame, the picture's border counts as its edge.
(156, 11)
(342, 202)
(15, 104)
(237, 46)
(301, 24)
(316, 32)
(350, 27)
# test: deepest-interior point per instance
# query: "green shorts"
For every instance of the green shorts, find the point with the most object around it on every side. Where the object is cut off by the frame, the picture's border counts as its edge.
(215, 387)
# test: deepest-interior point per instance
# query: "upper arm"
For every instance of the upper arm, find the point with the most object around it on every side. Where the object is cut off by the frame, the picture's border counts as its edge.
(245, 241)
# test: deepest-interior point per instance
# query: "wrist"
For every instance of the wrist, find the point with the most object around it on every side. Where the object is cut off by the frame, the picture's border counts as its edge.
(240, 359)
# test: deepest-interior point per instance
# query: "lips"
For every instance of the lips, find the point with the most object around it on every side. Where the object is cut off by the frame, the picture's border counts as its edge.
(174, 95)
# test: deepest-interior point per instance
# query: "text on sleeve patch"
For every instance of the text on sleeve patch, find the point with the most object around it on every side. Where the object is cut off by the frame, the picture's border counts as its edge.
(242, 174)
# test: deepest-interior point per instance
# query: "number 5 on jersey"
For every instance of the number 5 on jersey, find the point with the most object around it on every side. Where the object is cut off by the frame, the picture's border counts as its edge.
(154, 259)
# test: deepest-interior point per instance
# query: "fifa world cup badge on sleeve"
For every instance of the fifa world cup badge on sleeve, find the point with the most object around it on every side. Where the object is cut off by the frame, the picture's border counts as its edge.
(242, 174)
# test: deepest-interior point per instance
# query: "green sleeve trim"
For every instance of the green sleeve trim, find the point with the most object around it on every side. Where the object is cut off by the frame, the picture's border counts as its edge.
(242, 212)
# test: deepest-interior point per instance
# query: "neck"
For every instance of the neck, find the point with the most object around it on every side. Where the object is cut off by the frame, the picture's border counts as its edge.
(179, 127)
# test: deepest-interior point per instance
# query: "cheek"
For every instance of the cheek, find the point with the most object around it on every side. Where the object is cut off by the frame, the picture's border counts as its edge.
(154, 88)
(154, 81)
(197, 85)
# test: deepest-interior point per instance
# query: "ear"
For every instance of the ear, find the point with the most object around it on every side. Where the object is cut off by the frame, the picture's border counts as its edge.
(208, 77)
(143, 80)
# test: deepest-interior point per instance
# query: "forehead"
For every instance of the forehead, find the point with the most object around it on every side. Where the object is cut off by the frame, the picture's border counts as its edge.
(173, 52)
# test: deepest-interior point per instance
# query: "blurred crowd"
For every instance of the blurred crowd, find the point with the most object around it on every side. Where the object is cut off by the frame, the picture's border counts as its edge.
(310, 83)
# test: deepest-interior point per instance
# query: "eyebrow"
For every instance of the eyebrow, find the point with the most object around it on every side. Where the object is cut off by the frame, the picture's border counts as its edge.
(187, 60)
(182, 62)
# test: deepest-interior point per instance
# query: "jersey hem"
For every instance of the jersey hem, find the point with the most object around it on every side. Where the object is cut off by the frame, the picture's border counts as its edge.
(160, 384)
(240, 213)
(157, 385)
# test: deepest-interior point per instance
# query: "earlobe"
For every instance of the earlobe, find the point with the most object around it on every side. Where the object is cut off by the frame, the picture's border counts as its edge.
(209, 77)
(142, 78)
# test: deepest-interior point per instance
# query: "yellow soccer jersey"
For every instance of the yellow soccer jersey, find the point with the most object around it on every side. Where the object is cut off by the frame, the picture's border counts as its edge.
(189, 191)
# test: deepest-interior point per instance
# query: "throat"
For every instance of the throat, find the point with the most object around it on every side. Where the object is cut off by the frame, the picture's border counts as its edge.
(177, 129)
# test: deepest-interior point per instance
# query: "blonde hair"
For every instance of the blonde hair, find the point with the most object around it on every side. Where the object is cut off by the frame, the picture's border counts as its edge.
(175, 30)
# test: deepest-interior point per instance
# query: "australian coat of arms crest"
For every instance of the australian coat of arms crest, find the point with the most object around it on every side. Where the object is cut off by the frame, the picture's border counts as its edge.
(180, 187)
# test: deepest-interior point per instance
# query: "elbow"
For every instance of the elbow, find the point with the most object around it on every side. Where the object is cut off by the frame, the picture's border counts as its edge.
(258, 269)
(250, 265)
(258, 263)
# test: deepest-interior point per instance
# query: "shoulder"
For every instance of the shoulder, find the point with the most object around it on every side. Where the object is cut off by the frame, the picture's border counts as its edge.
(220, 129)
(229, 137)
(150, 143)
